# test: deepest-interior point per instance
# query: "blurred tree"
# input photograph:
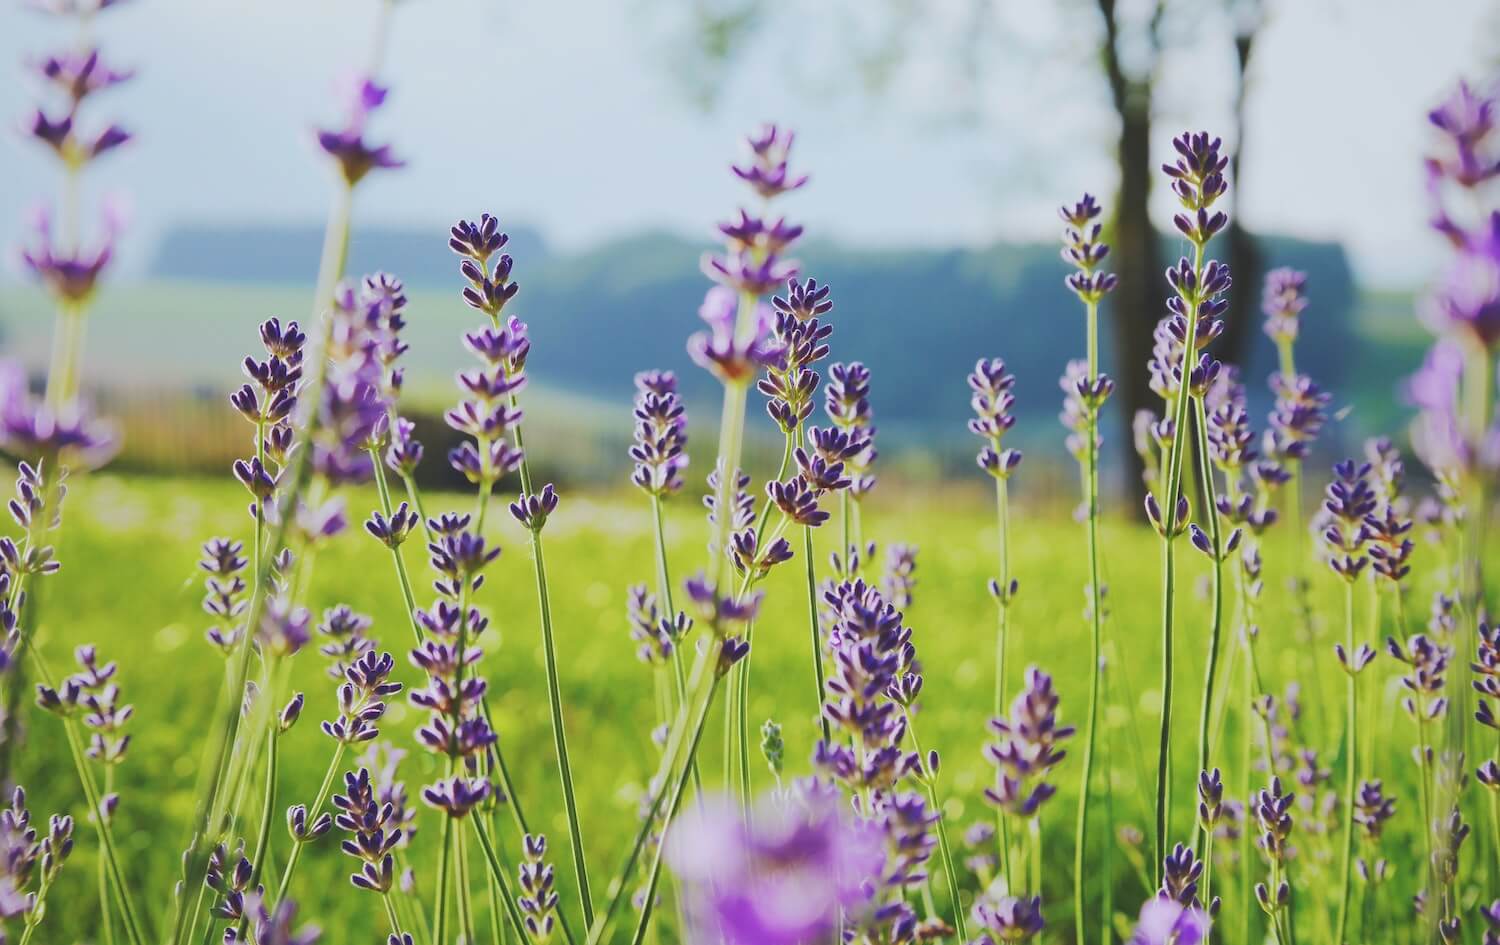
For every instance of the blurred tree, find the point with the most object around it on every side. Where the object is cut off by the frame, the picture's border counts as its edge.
(965, 39)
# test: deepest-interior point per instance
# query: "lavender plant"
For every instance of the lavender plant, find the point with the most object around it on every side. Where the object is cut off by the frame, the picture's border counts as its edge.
(1084, 249)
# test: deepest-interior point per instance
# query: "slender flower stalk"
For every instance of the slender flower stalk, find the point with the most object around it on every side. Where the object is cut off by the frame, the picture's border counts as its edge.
(354, 159)
(732, 349)
(1085, 251)
(493, 412)
(1198, 181)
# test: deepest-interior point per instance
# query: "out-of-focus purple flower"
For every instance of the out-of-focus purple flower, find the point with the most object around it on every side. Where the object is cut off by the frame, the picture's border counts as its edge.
(275, 926)
(69, 437)
(729, 350)
(1466, 155)
(1467, 300)
(783, 878)
(658, 452)
(457, 796)
(69, 275)
(1082, 400)
(900, 575)
(767, 169)
(846, 400)
(347, 145)
(1283, 302)
(1166, 921)
(78, 74)
(284, 629)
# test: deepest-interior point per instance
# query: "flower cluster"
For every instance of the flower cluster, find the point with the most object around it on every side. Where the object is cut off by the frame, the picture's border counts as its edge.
(538, 897)
(846, 400)
(362, 382)
(800, 341)
(658, 453)
(992, 400)
(1027, 747)
(873, 674)
(372, 835)
(455, 727)
(1349, 502)
(267, 401)
(361, 698)
(490, 411)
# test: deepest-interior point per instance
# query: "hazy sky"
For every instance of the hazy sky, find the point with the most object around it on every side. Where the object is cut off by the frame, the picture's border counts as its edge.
(580, 117)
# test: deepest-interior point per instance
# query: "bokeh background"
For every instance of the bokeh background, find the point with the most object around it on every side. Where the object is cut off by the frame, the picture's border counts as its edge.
(941, 136)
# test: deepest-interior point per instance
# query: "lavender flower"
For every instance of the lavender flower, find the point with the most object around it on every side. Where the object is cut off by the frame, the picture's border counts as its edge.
(872, 653)
(1283, 301)
(1349, 503)
(66, 437)
(781, 878)
(537, 898)
(1027, 748)
(727, 350)
(70, 274)
(660, 434)
(354, 155)
(361, 698)
(800, 341)
(371, 837)
(847, 403)
(992, 401)
(900, 575)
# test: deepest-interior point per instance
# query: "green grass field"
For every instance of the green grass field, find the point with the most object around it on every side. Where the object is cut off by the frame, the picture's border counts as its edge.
(129, 583)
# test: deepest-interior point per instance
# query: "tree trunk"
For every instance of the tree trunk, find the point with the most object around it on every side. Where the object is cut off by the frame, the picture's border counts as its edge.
(1244, 260)
(1137, 301)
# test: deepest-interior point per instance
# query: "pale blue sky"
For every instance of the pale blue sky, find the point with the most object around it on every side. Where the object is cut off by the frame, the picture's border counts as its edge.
(575, 117)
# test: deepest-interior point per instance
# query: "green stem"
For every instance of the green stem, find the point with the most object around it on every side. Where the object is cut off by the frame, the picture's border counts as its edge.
(461, 871)
(1206, 483)
(929, 778)
(312, 814)
(106, 926)
(1096, 638)
(654, 878)
(133, 929)
(497, 873)
(330, 269)
(554, 697)
(390, 914)
(1351, 766)
(1168, 505)
(816, 633)
(402, 578)
(444, 877)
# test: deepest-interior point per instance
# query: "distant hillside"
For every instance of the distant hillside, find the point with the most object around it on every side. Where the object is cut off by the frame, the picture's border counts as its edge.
(918, 317)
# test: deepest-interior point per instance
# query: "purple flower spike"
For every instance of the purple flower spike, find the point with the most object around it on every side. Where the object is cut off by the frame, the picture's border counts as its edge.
(727, 350)
(658, 451)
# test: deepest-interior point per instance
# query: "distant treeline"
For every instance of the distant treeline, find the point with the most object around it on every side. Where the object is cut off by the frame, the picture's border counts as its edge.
(918, 317)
